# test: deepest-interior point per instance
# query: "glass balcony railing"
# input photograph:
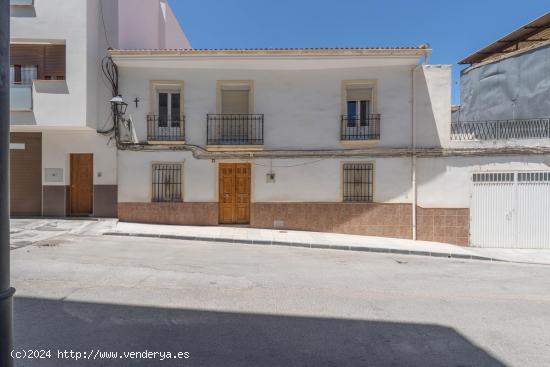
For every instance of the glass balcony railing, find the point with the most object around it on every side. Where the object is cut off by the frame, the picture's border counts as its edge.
(22, 2)
(20, 97)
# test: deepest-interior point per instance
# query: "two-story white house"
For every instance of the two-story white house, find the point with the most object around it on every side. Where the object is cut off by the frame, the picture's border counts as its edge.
(349, 140)
(341, 140)
(311, 139)
(60, 164)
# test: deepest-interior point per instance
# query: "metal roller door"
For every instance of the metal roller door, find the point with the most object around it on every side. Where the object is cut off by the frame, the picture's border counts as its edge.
(26, 174)
(510, 210)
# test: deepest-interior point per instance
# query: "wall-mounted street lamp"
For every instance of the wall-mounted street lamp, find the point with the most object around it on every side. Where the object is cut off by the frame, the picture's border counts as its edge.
(118, 105)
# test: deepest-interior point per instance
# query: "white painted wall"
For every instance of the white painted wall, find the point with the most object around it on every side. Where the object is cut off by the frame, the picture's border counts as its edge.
(58, 144)
(82, 99)
(135, 176)
(149, 24)
(297, 180)
(57, 21)
(446, 182)
(301, 106)
(432, 105)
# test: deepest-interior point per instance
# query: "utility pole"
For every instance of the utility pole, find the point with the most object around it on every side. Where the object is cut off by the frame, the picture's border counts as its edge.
(6, 291)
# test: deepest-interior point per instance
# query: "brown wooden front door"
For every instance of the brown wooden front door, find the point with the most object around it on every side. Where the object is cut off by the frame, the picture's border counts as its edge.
(234, 201)
(82, 168)
(26, 174)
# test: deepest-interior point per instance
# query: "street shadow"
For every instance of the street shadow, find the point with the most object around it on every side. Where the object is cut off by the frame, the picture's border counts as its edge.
(233, 339)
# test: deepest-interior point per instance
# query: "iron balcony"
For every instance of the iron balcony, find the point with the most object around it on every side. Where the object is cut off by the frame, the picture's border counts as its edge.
(235, 129)
(360, 128)
(171, 129)
(501, 129)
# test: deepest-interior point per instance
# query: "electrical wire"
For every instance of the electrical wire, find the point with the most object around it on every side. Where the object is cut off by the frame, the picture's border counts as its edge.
(110, 76)
(103, 22)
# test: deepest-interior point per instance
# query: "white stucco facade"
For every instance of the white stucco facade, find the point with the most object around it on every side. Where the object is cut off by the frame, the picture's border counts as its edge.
(67, 113)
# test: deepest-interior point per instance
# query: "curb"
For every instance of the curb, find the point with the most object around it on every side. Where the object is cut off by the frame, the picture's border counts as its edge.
(308, 245)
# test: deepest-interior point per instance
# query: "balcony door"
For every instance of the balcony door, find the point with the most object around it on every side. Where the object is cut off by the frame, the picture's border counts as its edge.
(235, 110)
(358, 106)
(169, 113)
(358, 123)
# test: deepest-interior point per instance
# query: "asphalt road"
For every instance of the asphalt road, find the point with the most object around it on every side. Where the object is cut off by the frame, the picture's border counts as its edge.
(242, 305)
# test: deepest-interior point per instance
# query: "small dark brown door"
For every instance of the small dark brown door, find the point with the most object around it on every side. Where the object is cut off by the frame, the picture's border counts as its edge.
(234, 201)
(82, 184)
(26, 174)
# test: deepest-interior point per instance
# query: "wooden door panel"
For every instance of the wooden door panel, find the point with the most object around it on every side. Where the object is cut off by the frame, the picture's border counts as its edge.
(81, 184)
(234, 191)
(242, 190)
(227, 194)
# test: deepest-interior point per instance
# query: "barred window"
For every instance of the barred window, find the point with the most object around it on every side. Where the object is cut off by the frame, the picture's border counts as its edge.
(167, 182)
(358, 182)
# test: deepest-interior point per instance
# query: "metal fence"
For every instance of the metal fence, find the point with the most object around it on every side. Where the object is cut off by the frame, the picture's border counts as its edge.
(235, 129)
(360, 127)
(501, 129)
(358, 182)
(167, 182)
(165, 128)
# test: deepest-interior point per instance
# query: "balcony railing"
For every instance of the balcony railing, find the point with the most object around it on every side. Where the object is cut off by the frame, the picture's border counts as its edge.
(165, 129)
(360, 128)
(501, 129)
(22, 2)
(20, 97)
(232, 129)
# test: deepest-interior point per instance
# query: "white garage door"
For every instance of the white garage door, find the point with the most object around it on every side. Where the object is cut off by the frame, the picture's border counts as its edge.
(510, 210)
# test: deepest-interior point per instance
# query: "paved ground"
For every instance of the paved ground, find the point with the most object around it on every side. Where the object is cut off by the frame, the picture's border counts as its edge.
(25, 232)
(242, 305)
(331, 240)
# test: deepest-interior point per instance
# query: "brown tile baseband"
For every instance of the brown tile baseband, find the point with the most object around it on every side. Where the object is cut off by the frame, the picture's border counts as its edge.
(306, 245)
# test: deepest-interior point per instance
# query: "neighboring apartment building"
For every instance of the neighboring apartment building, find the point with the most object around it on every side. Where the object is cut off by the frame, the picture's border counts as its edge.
(60, 165)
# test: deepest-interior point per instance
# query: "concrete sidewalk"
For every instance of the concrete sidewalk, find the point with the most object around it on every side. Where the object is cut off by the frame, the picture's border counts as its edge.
(321, 240)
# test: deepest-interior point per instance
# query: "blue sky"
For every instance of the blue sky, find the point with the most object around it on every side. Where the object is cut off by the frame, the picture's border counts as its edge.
(454, 29)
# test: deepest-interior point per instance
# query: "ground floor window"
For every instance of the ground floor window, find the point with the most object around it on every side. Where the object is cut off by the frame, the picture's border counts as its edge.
(167, 182)
(358, 182)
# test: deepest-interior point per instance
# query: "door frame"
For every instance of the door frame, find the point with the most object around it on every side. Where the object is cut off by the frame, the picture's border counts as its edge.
(70, 206)
(217, 186)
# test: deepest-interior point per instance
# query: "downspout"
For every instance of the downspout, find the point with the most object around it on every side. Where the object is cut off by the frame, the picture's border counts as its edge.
(413, 143)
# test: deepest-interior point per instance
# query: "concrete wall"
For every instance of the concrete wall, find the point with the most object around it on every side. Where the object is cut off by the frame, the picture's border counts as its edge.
(149, 24)
(58, 144)
(59, 103)
(446, 182)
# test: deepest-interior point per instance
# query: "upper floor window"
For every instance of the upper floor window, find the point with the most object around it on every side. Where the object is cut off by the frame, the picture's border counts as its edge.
(23, 74)
(169, 108)
(37, 62)
(359, 120)
(359, 103)
(235, 97)
(166, 121)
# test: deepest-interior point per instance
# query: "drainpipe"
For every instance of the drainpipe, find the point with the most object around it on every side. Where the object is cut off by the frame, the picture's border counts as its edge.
(413, 142)
(6, 291)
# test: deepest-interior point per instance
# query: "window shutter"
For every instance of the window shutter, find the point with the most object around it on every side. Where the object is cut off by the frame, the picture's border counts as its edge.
(359, 94)
(235, 101)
